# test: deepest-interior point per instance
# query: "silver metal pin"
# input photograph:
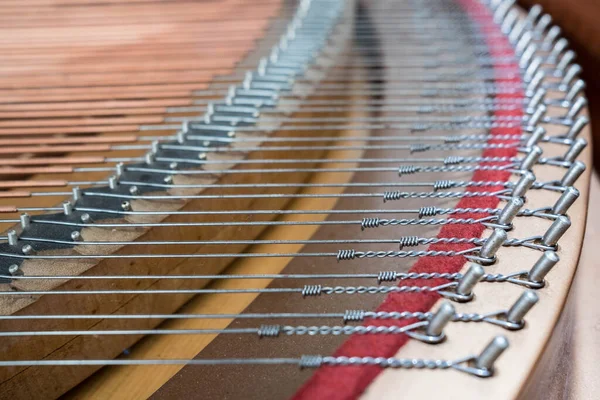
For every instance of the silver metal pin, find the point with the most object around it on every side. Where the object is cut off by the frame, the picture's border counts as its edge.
(13, 238)
(531, 158)
(558, 228)
(493, 244)
(566, 60)
(537, 115)
(576, 107)
(85, 218)
(113, 182)
(577, 127)
(490, 354)
(573, 173)
(536, 136)
(523, 184)
(575, 90)
(543, 23)
(542, 266)
(551, 37)
(532, 16)
(575, 150)
(27, 249)
(537, 98)
(440, 319)
(565, 201)
(510, 211)
(15, 270)
(572, 73)
(76, 236)
(470, 279)
(533, 68)
(527, 56)
(67, 207)
(76, 194)
(25, 221)
(522, 306)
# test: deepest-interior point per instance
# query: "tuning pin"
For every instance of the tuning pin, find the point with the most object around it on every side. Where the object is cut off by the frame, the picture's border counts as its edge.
(25, 221)
(185, 127)
(571, 74)
(532, 69)
(155, 146)
(494, 4)
(490, 354)
(558, 228)
(576, 89)
(577, 127)
(180, 137)
(536, 136)
(560, 45)
(527, 56)
(536, 99)
(517, 31)
(150, 157)
(535, 83)
(509, 21)
(231, 93)
(551, 37)
(113, 182)
(523, 184)
(274, 55)
(573, 173)
(565, 61)
(510, 211)
(262, 66)
(27, 249)
(469, 280)
(440, 319)
(543, 23)
(565, 201)
(524, 303)
(15, 270)
(542, 266)
(531, 158)
(576, 107)
(76, 191)
(533, 15)
(67, 207)
(76, 236)
(575, 149)
(537, 115)
(493, 243)
(13, 238)
(119, 169)
(502, 11)
(248, 77)
(523, 42)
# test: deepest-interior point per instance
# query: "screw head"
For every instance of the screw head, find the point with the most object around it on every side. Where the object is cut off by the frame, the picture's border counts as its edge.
(76, 236)
(126, 206)
(27, 249)
(14, 269)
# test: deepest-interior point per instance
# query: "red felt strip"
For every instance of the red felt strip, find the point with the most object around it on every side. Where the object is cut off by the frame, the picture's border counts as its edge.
(349, 382)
